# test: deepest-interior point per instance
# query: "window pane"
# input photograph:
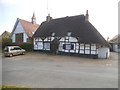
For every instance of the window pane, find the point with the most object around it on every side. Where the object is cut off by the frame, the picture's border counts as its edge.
(82, 51)
(68, 46)
(46, 45)
(93, 47)
(40, 45)
(72, 46)
(19, 37)
(87, 46)
(81, 46)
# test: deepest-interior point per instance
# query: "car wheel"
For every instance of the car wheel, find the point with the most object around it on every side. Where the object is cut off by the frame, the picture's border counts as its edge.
(11, 55)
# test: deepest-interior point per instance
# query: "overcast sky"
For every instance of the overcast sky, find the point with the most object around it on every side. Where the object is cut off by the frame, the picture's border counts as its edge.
(103, 14)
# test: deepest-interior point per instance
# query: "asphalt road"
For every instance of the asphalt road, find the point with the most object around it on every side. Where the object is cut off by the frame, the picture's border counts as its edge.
(36, 70)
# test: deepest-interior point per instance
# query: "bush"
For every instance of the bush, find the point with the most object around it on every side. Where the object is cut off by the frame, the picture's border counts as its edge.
(27, 46)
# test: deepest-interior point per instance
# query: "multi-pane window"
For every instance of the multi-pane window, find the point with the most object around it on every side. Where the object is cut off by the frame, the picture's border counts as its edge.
(19, 37)
(39, 44)
(87, 48)
(82, 48)
(68, 46)
(93, 49)
(46, 45)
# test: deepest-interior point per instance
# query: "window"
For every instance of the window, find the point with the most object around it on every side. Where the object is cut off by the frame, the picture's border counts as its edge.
(53, 34)
(93, 49)
(68, 46)
(15, 48)
(46, 45)
(87, 48)
(19, 37)
(39, 45)
(82, 48)
(69, 34)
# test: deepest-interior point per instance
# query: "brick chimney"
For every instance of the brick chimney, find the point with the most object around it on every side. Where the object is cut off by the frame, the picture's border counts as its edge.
(87, 16)
(33, 19)
(48, 18)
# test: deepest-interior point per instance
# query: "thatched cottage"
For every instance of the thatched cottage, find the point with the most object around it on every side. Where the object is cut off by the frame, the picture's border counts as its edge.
(72, 35)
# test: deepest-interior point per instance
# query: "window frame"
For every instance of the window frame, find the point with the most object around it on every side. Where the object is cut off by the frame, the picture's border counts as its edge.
(71, 46)
(19, 37)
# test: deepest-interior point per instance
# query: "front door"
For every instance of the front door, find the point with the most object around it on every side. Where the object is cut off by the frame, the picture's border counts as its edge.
(54, 46)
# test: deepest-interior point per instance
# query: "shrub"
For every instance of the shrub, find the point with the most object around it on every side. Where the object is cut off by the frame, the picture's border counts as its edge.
(27, 46)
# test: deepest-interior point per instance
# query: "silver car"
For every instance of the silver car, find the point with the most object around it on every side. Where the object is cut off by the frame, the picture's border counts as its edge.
(13, 50)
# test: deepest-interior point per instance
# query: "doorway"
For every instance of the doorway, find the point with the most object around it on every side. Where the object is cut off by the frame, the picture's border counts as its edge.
(54, 46)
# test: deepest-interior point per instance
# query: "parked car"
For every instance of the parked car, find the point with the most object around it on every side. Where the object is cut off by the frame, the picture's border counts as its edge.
(13, 50)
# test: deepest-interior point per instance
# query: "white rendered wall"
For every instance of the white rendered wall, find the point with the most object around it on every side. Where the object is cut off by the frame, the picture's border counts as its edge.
(81, 46)
(38, 44)
(103, 52)
(35, 44)
(71, 39)
(19, 29)
(115, 48)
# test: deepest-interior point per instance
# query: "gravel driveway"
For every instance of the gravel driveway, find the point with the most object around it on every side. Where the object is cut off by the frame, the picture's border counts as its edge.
(38, 70)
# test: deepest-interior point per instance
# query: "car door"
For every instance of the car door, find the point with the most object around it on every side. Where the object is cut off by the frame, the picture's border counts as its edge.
(13, 50)
(19, 50)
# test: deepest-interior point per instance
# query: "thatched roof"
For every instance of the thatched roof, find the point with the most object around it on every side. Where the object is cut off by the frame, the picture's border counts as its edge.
(80, 28)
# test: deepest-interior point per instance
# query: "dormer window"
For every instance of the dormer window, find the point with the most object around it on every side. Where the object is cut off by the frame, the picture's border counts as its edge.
(69, 34)
(53, 34)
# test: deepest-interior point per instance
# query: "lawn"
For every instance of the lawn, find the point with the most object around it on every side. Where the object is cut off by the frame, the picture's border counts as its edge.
(11, 87)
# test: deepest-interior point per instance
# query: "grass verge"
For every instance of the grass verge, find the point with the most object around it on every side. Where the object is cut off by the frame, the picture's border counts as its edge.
(10, 86)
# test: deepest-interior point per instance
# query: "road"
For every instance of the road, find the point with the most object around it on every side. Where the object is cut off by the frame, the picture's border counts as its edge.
(38, 70)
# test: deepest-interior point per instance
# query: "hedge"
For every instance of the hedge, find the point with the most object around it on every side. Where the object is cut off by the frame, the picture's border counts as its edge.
(27, 46)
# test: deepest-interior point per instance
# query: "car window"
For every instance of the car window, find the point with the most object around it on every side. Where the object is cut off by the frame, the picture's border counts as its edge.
(15, 48)
(12, 48)
(18, 48)
(6, 49)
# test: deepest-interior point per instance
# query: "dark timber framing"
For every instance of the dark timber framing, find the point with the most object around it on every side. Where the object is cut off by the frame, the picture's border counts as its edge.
(77, 47)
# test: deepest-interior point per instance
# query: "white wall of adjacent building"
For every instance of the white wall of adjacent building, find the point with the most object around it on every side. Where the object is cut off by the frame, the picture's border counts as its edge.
(115, 48)
(19, 29)
(103, 52)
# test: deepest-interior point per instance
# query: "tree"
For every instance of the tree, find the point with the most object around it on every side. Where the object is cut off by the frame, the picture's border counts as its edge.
(6, 41)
